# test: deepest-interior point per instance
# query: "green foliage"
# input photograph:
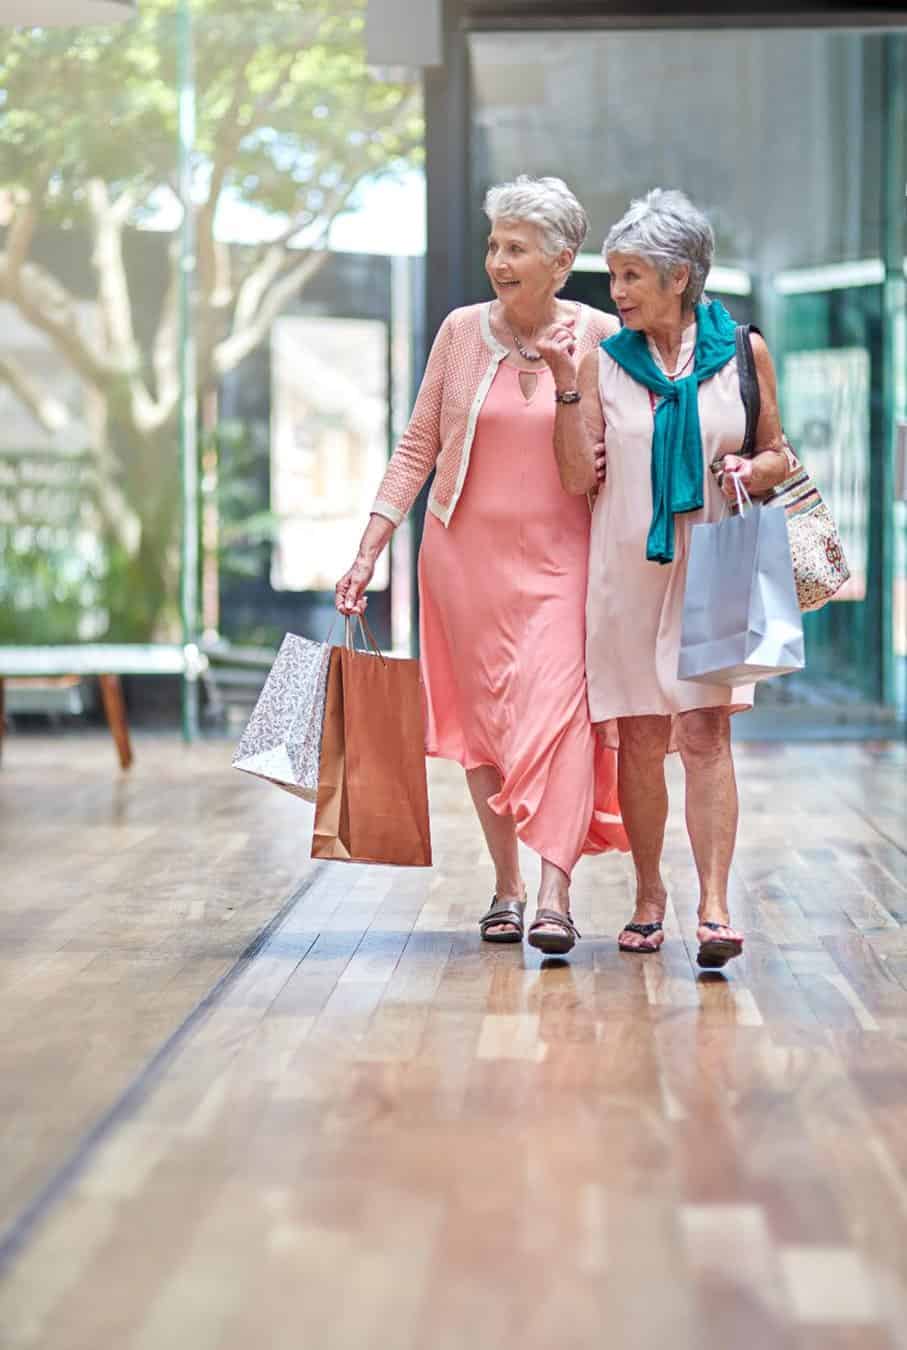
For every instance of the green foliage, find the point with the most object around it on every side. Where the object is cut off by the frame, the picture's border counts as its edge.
(246, 527)
(284, 85)
(51, 579)
(288, 121)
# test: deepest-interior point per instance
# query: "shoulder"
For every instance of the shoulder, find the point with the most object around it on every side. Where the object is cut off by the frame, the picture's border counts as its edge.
(461, 328)
(765, 366)
(599, 325)
(464, 318)
(760, 347)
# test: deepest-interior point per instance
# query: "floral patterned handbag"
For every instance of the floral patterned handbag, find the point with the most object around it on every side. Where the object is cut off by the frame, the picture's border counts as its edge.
(820, 568)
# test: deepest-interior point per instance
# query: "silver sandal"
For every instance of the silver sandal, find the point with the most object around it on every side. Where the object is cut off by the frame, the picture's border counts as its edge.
(553, 944)
(508, 912)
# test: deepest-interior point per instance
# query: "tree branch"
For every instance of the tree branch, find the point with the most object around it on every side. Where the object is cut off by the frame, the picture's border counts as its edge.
(228, 354)
(108, 220)
(47, 411)
(228, 138)
(164, 350)
(49, 307)
(43, 300)
(21, 232)
(125, 358)
(254, 287)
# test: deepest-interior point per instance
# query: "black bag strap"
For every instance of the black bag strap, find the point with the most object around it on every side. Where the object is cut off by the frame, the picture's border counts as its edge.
(749, 386)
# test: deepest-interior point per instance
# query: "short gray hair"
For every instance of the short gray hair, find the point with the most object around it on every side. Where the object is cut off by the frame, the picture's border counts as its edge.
(545, 202)
(666, 229)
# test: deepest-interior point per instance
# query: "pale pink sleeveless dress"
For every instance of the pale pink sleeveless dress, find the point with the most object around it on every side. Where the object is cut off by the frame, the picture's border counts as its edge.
(635, 607)
(502, 630)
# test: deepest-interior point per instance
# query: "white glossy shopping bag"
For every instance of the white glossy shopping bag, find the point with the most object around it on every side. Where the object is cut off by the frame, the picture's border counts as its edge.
(741, 617)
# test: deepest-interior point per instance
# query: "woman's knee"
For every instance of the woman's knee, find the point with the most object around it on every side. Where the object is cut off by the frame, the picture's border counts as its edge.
(704, 736)
(644, 739)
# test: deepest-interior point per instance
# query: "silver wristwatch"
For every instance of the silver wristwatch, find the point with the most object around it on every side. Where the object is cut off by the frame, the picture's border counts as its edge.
(568, 396)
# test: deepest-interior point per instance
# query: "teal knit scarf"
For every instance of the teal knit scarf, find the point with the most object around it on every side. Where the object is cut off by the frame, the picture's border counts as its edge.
(676, 441)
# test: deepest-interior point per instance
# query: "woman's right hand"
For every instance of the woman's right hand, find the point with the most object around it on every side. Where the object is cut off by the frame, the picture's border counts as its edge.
(557, 347)
(349, 593)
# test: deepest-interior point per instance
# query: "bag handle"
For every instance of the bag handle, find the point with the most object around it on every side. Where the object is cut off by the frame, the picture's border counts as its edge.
(749, 385)
(743, 498)
(742, 494)
(368, 637)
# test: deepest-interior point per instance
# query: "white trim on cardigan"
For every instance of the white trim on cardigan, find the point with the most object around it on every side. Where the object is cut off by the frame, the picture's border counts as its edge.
(498, 353)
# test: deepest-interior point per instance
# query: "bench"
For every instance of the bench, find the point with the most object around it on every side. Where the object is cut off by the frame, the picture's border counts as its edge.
(108, 662)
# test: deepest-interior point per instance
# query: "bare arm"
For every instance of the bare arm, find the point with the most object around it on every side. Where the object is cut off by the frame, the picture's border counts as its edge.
(578, 427)
(771, 463)
(349, 595)
(409, 466)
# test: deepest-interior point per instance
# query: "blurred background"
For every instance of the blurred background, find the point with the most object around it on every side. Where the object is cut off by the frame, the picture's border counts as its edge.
(231, 230)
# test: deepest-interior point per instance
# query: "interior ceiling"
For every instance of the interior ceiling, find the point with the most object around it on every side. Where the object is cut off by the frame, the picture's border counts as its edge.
(721, 13)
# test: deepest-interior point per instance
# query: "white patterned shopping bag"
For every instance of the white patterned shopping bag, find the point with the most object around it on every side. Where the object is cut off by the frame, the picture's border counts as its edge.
(282, 742)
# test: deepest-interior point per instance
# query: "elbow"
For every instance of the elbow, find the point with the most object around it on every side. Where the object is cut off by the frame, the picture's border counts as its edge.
(573, 479)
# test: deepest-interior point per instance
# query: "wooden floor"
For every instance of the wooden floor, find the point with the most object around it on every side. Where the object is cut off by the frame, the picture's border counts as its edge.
(248, 1102)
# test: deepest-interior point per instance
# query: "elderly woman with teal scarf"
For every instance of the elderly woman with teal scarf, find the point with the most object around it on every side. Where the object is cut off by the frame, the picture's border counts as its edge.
(656, 428)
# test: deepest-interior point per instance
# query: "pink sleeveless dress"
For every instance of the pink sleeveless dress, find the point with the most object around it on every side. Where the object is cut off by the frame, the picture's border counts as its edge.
(502, 630)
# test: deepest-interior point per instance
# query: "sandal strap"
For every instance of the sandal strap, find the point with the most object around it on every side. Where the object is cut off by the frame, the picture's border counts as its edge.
(545, 917)
(503, 912)
(643, 929)
(714, 927)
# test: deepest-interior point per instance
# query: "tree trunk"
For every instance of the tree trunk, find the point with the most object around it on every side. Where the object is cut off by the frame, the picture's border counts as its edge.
(142, 588)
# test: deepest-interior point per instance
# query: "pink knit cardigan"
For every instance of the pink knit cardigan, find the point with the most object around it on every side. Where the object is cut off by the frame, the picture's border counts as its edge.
(463, 362)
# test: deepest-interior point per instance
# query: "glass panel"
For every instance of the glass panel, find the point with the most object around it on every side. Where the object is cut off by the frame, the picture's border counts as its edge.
(88, 344)
(329, 433)
(294, 134)
(829, 356)
(775, 134)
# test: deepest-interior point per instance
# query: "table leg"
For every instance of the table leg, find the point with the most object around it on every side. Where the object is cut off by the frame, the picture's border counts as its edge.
(115, 712)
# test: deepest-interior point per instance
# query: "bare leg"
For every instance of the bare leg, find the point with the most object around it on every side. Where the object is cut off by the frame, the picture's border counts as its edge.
(644, 806)
(704, 740)
(500, 836)
(554, 892)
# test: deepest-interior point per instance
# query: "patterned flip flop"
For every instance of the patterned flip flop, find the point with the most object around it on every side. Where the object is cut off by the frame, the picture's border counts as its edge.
(644, 930)
(716, 952)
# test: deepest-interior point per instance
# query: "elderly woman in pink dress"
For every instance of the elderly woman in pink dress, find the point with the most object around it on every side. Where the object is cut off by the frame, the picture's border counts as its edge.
(664, 397)
(503, 564)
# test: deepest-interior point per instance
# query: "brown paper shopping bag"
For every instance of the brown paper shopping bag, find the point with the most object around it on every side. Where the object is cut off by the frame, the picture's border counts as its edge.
(372, 803)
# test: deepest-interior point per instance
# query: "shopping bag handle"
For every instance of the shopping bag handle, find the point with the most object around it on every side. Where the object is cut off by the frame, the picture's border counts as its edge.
(368, 637)
(742, 494)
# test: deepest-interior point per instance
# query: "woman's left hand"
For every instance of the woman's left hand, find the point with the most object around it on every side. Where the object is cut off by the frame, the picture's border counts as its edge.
(734, 466)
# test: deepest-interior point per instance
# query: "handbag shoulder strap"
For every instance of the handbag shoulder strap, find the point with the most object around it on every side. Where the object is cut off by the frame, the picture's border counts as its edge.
(749, 386)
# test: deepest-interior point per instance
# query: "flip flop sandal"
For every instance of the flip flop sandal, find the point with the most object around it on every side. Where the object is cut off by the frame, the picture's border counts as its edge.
(501, 912)
(553, 944)
(645, 930)
(716, 952)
